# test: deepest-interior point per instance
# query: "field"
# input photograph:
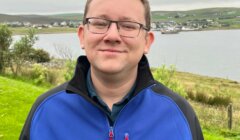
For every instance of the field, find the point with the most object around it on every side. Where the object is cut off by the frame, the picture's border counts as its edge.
(214, 119)
(17, 97)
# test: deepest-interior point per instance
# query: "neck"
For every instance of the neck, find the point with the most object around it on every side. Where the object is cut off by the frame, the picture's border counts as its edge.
(113, 87)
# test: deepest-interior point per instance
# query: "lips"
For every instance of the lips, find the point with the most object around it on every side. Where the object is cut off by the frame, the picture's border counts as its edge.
(112, 51)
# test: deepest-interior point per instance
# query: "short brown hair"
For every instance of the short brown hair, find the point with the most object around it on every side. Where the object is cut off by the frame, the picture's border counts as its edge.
(146, 10)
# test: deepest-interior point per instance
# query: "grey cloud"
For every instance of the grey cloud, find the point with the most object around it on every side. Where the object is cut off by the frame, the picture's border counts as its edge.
(61, 6)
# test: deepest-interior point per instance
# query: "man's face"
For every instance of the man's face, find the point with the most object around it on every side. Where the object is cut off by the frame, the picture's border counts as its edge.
(110, 52)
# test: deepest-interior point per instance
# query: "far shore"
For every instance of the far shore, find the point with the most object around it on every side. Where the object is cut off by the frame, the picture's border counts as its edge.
(54, 30)
(58, 30)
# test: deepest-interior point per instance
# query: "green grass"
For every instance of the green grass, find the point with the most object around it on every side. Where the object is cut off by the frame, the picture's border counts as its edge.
(208, 135)
(16, 99)
(215, 135)
(214, 119)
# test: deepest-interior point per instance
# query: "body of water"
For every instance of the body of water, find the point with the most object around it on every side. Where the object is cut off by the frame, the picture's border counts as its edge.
(211, 53)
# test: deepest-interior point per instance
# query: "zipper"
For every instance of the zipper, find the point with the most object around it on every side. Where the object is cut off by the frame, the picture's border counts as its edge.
(126, 137)
(111, 133)
(128, 104)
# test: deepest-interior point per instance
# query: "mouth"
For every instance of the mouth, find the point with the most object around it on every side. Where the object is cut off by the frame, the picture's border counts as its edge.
(112, 51)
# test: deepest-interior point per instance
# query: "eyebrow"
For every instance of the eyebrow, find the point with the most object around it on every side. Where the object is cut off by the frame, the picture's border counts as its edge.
(120, 19)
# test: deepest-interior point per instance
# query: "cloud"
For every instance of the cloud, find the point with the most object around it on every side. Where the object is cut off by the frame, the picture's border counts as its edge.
(62, 6)
(41, 6)
(191, 4)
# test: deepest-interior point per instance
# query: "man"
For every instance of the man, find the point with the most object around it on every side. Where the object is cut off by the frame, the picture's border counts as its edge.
(113, 95)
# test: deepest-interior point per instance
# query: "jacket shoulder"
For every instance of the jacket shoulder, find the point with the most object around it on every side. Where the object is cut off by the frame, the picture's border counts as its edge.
(184, 106)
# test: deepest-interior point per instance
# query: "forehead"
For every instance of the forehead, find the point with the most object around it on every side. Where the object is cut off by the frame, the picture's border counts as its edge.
(117, 9)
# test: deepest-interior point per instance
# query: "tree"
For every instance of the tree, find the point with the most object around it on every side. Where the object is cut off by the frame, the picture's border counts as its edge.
(22, 50)
(5, 42)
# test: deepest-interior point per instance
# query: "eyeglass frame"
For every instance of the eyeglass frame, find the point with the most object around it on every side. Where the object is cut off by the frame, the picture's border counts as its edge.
(141, 26)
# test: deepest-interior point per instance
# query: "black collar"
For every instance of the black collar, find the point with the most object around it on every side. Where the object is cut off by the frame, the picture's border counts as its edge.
(78, 83)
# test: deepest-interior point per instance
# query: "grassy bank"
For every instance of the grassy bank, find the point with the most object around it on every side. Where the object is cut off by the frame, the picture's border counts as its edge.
(214, 119)
(17, 98)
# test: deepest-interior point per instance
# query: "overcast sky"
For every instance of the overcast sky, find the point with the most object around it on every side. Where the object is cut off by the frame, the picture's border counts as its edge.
(69, 6)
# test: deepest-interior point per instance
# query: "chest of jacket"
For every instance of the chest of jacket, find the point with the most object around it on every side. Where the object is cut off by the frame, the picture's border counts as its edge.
(148, 116)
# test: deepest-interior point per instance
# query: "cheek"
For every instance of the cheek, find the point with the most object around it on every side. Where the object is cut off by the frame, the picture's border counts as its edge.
(92, 41)
(137, 45)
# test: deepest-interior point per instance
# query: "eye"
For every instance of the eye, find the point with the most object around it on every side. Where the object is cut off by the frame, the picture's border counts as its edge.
(98, 23)
(129, 26)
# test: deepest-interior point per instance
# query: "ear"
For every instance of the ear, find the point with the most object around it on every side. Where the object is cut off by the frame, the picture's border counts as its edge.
(81, 35)
(149, 41)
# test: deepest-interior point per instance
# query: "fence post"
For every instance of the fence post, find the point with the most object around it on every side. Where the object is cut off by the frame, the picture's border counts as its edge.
(230, 112)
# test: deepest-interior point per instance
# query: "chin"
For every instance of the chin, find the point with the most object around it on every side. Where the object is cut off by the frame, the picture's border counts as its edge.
(111, 69)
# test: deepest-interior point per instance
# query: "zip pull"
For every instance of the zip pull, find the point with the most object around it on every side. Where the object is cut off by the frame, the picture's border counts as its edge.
(126, 137)
(111, 134)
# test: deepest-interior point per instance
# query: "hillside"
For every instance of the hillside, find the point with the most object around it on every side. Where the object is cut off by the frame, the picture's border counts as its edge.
(211, 18)
(210, 13)
(34, 19)
(69, 16)
(198, 13)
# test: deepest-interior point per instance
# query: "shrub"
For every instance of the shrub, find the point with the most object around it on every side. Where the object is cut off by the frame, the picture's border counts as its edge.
(166, 76)
(40, 56)
(220, 100)
(5, 42)
(70, 66)
(53, 77)
(191, 94)
(39, 74)
(202, 97)
(208, 96)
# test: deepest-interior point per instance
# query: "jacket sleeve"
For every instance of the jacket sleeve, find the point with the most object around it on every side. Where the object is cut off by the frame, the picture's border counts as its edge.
(25, 134)
(198, 134)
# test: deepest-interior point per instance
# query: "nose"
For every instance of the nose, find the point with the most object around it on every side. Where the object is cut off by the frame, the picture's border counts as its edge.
(112, 35)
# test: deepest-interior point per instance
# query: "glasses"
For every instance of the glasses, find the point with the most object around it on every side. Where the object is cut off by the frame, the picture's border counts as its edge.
(125, 28)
